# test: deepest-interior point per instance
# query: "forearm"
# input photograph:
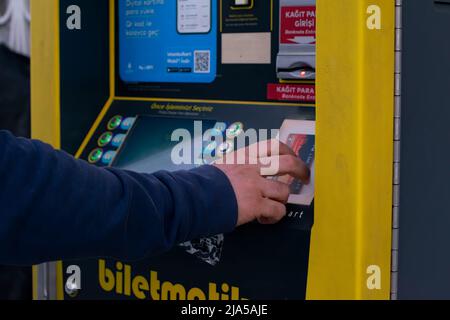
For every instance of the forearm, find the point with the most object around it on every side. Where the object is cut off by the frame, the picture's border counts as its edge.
(55, 207)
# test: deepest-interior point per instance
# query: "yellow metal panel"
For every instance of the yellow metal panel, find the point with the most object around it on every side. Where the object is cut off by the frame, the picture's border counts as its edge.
(59, 281)
(34, 271)
(230, 102)
(355, 99)
(44, 80)
(45, 87)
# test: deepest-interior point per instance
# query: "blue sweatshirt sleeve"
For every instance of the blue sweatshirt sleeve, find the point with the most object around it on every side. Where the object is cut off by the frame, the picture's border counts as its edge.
(53, 207)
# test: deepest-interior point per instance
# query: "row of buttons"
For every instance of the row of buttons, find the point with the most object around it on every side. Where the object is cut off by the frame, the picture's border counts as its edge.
(110, 139)
(231, 132)
(213, 149)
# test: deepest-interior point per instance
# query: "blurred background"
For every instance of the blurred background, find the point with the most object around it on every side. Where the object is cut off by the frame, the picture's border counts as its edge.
(15, 282)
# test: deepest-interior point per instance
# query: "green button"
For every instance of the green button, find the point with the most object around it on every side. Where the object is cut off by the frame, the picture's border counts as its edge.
(95, 155)
(105, 139)
(115, 122)
(235, 130)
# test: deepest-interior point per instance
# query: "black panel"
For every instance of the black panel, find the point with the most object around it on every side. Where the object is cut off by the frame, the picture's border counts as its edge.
(264, 262)
(84, 70)
(424, 258)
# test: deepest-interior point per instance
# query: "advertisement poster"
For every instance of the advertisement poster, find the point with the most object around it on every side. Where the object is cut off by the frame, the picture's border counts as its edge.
(168, 41)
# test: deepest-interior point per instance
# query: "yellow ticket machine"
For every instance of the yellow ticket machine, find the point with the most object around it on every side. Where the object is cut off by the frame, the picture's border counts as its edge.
(110, 78)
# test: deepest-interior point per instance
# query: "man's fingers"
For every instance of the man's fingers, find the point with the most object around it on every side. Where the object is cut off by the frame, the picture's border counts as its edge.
(285, 150)
(272, 147)
(295, 167)
(275, 190)
(255, 153)
(286, 165)
(271, 212)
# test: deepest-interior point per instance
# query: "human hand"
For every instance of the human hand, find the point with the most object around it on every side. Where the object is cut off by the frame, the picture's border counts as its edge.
(259, 198)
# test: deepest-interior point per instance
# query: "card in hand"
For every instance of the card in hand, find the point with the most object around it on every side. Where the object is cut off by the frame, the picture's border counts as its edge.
(304, 146)
(299, 135)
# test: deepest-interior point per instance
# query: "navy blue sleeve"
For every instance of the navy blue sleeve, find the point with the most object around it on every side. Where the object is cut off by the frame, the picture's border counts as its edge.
(55, 207)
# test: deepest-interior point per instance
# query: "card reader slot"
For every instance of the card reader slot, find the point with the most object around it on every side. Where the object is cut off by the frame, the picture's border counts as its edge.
(294, 69)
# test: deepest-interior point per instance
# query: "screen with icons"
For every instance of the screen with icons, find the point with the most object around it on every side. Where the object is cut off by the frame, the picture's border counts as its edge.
(158, 143)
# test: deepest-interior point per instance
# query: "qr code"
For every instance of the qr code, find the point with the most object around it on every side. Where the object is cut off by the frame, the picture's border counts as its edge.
(202, 61)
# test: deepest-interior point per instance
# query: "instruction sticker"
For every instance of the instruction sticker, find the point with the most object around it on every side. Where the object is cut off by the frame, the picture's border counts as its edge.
(291, 92)
(298, 25)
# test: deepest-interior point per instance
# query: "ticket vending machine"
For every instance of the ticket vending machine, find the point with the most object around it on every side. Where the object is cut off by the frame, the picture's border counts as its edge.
(113, 79)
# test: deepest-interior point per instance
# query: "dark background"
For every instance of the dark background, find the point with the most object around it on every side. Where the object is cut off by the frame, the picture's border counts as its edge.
(15, 283)
(424, 259)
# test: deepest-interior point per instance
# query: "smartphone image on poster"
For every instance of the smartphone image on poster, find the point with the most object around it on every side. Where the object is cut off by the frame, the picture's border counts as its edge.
(300, 136)
(194, 16)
